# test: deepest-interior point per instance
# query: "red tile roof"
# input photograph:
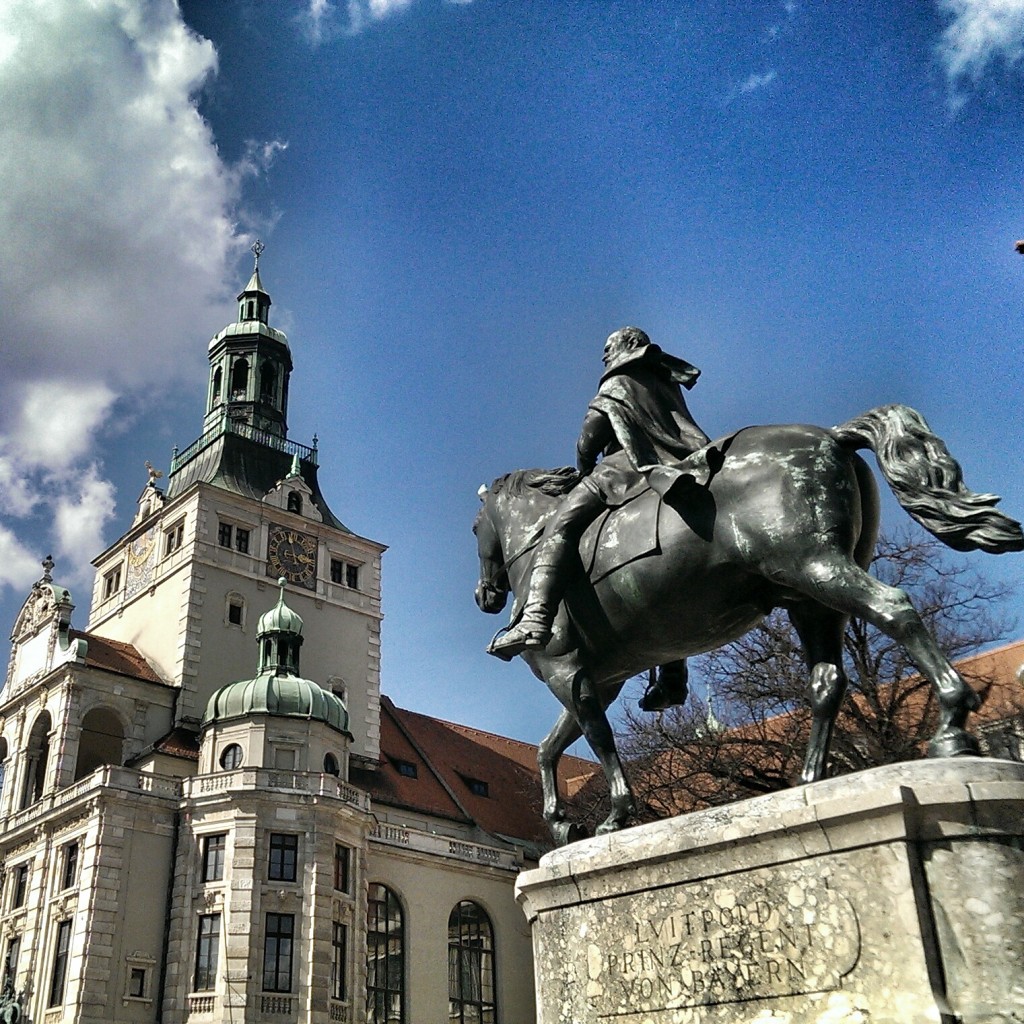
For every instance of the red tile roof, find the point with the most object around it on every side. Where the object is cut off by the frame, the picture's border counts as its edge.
(449, 757)
(116, 656)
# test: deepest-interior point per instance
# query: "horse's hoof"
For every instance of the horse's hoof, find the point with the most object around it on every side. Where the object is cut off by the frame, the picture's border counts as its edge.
(566, 832)
(954, 743)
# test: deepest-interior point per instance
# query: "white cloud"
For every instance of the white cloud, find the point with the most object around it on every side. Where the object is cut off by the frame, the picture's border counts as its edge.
(79, 516)
(323, 20)
(19, 567)
(118, 220)
(57, 421)
(752, 83)
(981, 32)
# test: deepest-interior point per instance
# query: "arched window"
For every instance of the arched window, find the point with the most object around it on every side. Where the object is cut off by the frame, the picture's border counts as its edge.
(239, 380)
(268, 378)
(385, 957)
(331, 766)
(471, 965)
(37, 755)
(3, 764)
(218, 379)
(102, 742)
(294, 502)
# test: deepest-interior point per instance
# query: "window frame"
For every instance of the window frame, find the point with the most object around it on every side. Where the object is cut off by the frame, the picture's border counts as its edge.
(472, 965)
(386, 960)
(343, 868)
(280, 846)
(339, 957)
(19, 884)
(213, 857)
(174, 537)
(69, 865)
(111, 583)
(207, 959)
(278, 952)
(61, 957)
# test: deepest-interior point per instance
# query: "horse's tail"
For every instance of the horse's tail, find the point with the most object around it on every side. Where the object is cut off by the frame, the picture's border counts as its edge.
(928, 482)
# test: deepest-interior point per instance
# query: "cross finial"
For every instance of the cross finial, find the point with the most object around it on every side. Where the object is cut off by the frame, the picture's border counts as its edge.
(256, 249)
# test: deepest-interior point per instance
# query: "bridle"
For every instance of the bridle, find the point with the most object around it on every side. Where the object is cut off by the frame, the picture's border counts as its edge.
(490, 583)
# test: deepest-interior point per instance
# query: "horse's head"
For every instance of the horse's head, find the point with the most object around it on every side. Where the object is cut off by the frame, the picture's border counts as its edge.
(492, 588)
(509, 524)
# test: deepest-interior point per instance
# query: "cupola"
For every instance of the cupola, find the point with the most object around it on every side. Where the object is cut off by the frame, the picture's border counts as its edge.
(277, 719)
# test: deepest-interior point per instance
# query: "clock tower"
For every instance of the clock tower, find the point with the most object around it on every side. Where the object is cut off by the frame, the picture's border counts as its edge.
(242, 508)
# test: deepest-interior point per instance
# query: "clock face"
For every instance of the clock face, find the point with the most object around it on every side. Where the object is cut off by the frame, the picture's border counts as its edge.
(292, 555)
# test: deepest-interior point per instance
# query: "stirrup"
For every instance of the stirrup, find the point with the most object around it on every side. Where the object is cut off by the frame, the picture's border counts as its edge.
(517, 639)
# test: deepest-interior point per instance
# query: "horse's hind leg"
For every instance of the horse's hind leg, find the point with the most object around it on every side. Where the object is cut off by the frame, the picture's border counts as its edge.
(840, 584)
(565, 732)
(821, 632)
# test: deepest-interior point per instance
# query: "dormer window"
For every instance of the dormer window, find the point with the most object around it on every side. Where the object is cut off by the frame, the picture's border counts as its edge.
(476, 786)
(406, 768)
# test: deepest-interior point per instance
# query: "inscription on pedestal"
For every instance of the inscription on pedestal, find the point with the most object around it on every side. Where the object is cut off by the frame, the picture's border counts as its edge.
(656, 952)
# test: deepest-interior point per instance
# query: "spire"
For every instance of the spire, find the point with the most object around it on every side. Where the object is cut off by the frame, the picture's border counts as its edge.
(254, 299)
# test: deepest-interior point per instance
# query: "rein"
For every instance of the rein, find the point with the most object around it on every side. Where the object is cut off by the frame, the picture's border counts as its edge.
(532, 541)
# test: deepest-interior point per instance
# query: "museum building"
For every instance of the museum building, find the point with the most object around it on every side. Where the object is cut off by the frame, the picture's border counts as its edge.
(209, 812)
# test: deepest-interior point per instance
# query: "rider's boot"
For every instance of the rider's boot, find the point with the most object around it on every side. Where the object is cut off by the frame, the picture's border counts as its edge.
(669, 688)
(533, 630)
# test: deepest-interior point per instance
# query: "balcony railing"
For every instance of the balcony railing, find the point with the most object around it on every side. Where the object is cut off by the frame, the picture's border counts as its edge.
(314, 783)
(201, 1004)
(229, 426)
(109, 776)
(277, 1005)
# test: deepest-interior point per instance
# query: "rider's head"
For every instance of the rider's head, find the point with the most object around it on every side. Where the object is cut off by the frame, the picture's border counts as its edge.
(622, 342)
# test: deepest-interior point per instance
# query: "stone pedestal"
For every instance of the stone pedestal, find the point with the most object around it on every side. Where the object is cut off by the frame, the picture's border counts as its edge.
(893, 895)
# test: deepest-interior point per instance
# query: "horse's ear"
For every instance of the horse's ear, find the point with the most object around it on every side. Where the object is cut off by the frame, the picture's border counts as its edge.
(482, 492)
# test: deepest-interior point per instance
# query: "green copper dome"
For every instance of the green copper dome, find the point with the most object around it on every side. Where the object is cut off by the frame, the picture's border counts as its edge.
(280, 618)
(281, 696)
(277, 689)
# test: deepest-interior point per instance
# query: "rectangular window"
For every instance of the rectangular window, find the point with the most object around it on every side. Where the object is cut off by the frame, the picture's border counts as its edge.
(337, 570)
(284, 856)
(213, 857)
(277, 953)
(137, 983)
(69, 870)
(207, 953)
(11, 961)
(352, 576)
(174, 537)
(111, 583)
(224, 531)
(242, 540)
(20, 886)
(235, 613)
(339, 942)
(342, 862)
(60, 964)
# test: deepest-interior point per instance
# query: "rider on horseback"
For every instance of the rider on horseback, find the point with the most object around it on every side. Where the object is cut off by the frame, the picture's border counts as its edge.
(639, 422)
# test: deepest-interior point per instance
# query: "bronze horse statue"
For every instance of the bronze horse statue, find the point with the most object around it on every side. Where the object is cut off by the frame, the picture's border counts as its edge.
(788, 519)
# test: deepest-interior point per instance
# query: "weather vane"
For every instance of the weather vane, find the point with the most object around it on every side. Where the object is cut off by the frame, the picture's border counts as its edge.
(256, 249)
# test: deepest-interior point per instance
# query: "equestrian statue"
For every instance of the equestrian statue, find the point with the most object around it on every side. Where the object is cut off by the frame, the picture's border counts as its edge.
(663, 544)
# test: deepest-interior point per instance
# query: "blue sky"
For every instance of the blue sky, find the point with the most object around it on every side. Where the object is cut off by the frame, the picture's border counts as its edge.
(815, 205)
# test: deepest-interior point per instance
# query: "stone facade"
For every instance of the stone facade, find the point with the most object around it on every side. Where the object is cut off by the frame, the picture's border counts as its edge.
(162, 863)
(892, 895)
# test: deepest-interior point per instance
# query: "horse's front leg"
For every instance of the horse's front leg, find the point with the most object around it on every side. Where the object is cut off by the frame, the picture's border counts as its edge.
(590, 714)
(565, 732)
